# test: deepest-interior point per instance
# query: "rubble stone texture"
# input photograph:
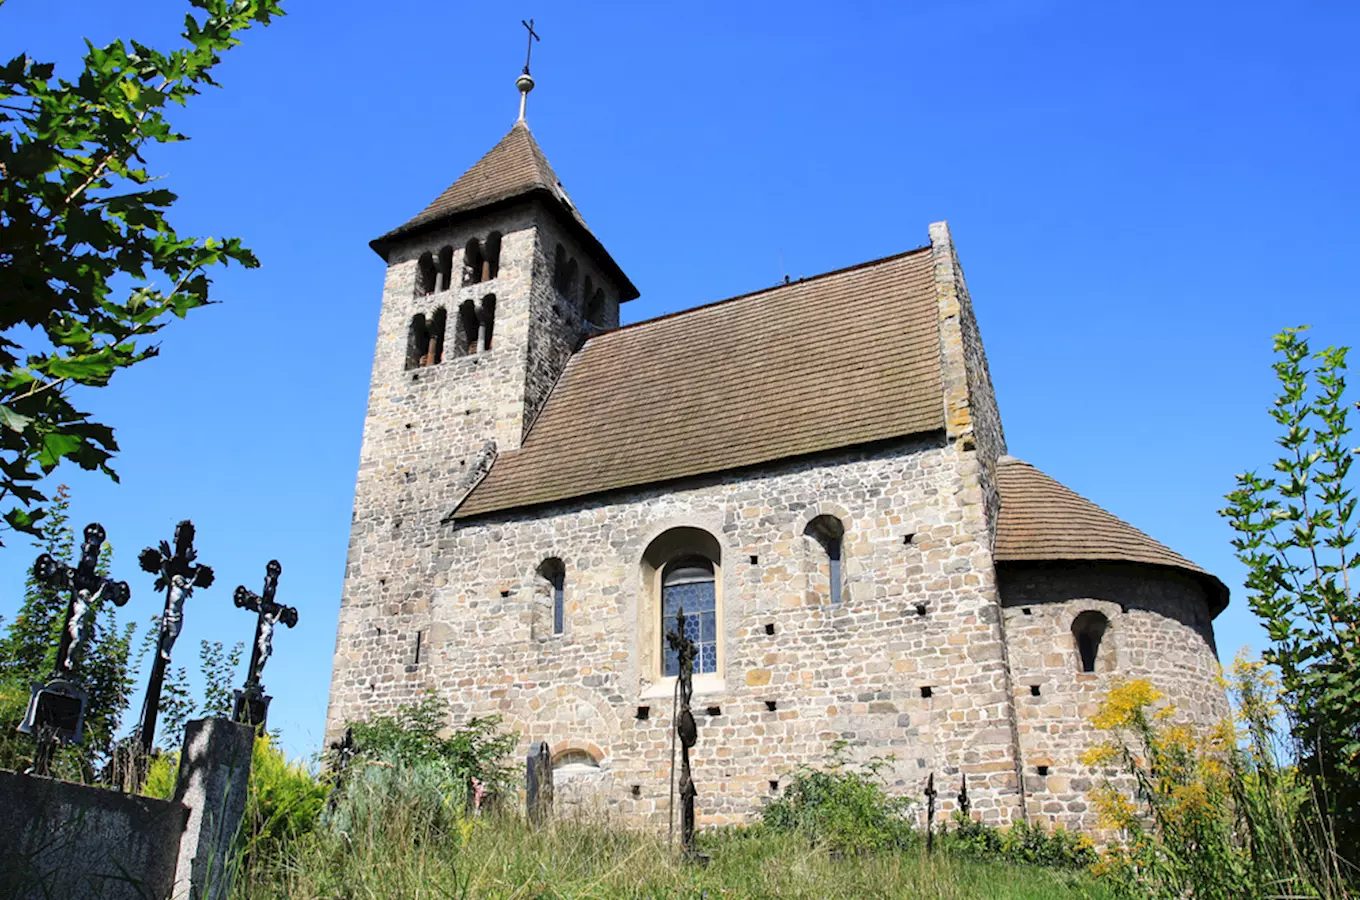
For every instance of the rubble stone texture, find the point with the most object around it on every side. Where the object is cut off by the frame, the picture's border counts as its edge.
(929, 656)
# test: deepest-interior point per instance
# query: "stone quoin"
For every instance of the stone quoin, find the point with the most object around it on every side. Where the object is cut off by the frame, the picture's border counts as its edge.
(858, 557)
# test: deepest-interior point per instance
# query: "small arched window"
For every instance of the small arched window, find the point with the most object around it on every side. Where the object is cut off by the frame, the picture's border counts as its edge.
(1088, 629)
(554, 576)
(486, 315)
(688, 584)
(469, 329)
(417, 342)
(425, 275)
(472, 262)
(587, 290)
(491, 256)
(829, 533)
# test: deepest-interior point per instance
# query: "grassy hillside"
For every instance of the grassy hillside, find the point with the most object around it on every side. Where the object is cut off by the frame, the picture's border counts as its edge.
(507, 859)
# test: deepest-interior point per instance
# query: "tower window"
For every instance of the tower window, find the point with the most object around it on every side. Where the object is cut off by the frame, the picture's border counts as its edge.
(444, 271)
(491, 256)
(425, 275)
(434, 349)
(587, 289)
(595, 307)
(554, 576)
(688, 584)
(469, 328)
(1088, 629)
(829, 534)
(560, 269)
(472, 262)
(486, 315)
(417, 342)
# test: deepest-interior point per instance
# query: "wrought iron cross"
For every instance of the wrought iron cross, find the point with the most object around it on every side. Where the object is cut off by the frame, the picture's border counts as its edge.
(177, 573)
(533, 36)
(88, 588)
(270, 613)
(685, 727)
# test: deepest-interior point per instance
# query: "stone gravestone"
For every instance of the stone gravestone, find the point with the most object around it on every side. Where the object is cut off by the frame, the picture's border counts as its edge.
(538, 783)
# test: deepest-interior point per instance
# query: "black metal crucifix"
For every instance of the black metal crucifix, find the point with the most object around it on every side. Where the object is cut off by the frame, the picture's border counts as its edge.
(177, 574)
(88, 590)
(685, 727)
(533, 36)
(251, 703)
(56, 710)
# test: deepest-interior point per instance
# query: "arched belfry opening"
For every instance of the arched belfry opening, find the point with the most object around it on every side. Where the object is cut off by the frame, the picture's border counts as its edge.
(444, 270)
(472, 262)
(469, 329)
(425, 340)
(491, 256)
(486, 317)
(1088, 631)
(425, 274)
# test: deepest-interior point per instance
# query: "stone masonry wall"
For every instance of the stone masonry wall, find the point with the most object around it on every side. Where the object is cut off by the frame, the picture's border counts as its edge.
(427, 427)
(919, 610)
(1159, 629)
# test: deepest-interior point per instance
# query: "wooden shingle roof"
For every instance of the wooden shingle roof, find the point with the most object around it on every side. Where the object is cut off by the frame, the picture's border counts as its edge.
(841, 359)
(1043, 521)
(515, 168)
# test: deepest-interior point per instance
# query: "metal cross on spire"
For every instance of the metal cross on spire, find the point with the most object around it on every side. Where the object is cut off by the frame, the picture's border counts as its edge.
(533, 36)
(525, 82)
(251, 703)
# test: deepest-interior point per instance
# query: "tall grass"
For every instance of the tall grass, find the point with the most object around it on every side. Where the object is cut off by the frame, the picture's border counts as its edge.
(394, 853)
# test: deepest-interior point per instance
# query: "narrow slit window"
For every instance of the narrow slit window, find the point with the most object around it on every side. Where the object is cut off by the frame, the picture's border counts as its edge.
(829, 534)
(554, 576)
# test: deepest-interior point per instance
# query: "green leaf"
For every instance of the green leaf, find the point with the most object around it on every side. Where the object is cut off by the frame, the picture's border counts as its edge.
(12, 420)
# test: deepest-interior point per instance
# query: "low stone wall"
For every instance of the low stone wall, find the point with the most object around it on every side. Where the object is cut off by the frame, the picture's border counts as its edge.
(63, 841)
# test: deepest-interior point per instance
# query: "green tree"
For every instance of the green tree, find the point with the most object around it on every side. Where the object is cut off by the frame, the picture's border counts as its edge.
(28, 648)
(1295, 536)
(90, 265)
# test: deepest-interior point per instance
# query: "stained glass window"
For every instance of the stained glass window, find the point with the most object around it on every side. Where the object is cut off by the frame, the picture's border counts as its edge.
(688, 584)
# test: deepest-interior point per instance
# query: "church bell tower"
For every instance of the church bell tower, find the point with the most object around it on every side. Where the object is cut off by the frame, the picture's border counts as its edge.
(488, 292)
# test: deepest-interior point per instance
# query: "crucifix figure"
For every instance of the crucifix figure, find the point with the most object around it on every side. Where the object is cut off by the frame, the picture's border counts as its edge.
(177, 573)
(533, 36)
(88, 589)
(251, 702)
(685, 727)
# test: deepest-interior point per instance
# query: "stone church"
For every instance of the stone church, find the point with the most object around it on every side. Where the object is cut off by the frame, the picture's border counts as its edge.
(858, 557)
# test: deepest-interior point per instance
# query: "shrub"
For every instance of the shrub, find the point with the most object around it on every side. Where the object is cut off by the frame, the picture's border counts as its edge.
(284, 802)
(1204, 814)
(841, 807)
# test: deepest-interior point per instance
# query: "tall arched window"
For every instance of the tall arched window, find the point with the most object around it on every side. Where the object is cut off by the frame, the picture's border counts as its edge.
(425, 274)
(469, 329)
(829, 533)
(472, 262)
(1088, 628)
(688, 584)
(444, 279)
(486, 315)
(491, 256)
(554, 576)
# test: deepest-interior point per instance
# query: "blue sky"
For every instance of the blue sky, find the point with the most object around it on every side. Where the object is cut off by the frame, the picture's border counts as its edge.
(1142, 194)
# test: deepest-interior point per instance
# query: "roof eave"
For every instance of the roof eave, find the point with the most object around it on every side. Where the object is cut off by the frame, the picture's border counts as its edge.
(383, 244)
(1215, 591)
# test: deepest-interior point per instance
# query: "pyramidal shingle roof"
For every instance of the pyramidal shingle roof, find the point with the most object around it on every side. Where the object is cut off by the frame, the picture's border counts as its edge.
(1043, 521)
(516, 167)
